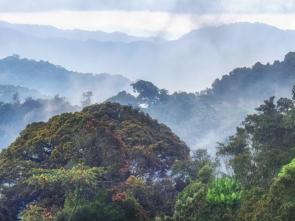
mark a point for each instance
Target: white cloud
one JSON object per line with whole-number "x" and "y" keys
{"x": 142, "y": 23}
{"x": 184, "y": 6}
{"x": 259, "y": 6}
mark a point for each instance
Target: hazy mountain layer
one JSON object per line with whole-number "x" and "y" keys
{"x": 15, "y": 116}
{"x": 203, "y": 119}
{"x": 51, "y": 80}
{"x": 33, "y": 99}
{"x": 46, "y": 32}
{"x": 10, "y": 93}
{"x": 190, "y": 63}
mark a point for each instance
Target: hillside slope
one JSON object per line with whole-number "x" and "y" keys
{"x": 51, "y": 80}
{"x": 16, "y": 115}
{"x": 205, "y": 118}
{"x": 118, "y": 138}
{"x": 10, "y": 92}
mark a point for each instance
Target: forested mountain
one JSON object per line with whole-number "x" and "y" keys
{"x": 112, "y": 162}
{"x": 53, "y": 80}
{"x": 260, "y": 160}
{"x": 205, "y": 118}
{"x": 201, "y": 119}
{"x": 256, "y": 83}
{"x": 116, "y": 163}
{"x": 202, "y": 55}
{"x": 121, "y": 156}
{"x": 14, "y": 116}
{"x": 10, "y": 93}
{"x": 190, "y": 119}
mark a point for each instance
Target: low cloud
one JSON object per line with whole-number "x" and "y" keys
{"x": 142, "y": 23}
{"x": 180, "y": 6}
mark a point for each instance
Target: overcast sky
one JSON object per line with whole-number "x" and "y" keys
{"x": 147, "y": 17}
{"x": 196, "y": 6}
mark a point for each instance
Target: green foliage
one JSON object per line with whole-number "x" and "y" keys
{"x": 197, "y": 202}
{"x": 264, "y": 144}
{"x": 78, "y": 175}
{"x": 288, "y": 171}
{"x": 257, "y": 154}
{"x": 250, "y": 202}
{"x": 158, "y": 196}
{"x": 62, "y": 161}
{"x": 77, "y": 183}
{"x": 200, "y": 167}
{"x": 100, "y": 209}
{"x": 206, "y": 173}
{"x": 33, "y": 213}
{"x": 224, "y": 191}
{"x": 191, "y": 203}
{"x": 54, "y": 171}
{"x": 279, "y": 202}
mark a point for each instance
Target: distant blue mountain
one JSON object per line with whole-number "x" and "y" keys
{"x": 53, "y": 80}
{"x": 205, "y": 118}
{"x": 8, "y": 93}
{"x": 189, "y": 63}
{"x": 45, "y": 32}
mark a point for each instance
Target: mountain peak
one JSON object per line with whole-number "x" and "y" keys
{"x": 105, "y": 135}
{"x": 290, "y": 58}
{"x": 230, "y": 29}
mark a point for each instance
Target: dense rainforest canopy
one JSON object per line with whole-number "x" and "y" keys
{"x": 114, "y": 162}
{"x": 205, "y": 118}
{"x": 107, "y": 150}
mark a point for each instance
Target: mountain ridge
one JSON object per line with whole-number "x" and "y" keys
{"x": 52, "y": 79}
{"x": 202, "y": 58}
{"x": 48, "y": 31}
{"x": 206, "y": 117}
{"x": 8, "y": 93}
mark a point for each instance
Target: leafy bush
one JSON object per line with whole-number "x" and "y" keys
{"x": 224, "y": 191}
{"x": 279, "y": 203}
{"x": 191, "y": 203}
{"x": 102, "y": 209}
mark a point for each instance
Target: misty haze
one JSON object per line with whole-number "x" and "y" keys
{"x": 145, "y": 110}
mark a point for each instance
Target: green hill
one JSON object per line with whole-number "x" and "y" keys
{"x": 127, "y": 143}
{"x": 204, "y": 118}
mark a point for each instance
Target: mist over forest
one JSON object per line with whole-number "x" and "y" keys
{"x": 202, "y": 119}
{"x": 203, "y": 55}
{"x": 99, "y": 124}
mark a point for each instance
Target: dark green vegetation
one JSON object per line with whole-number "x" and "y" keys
{"x": 203, "y": 119}
{"x": 261, "y": 159}
{"x": 112, "y": 162}
{"x": 108, "y": 162}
